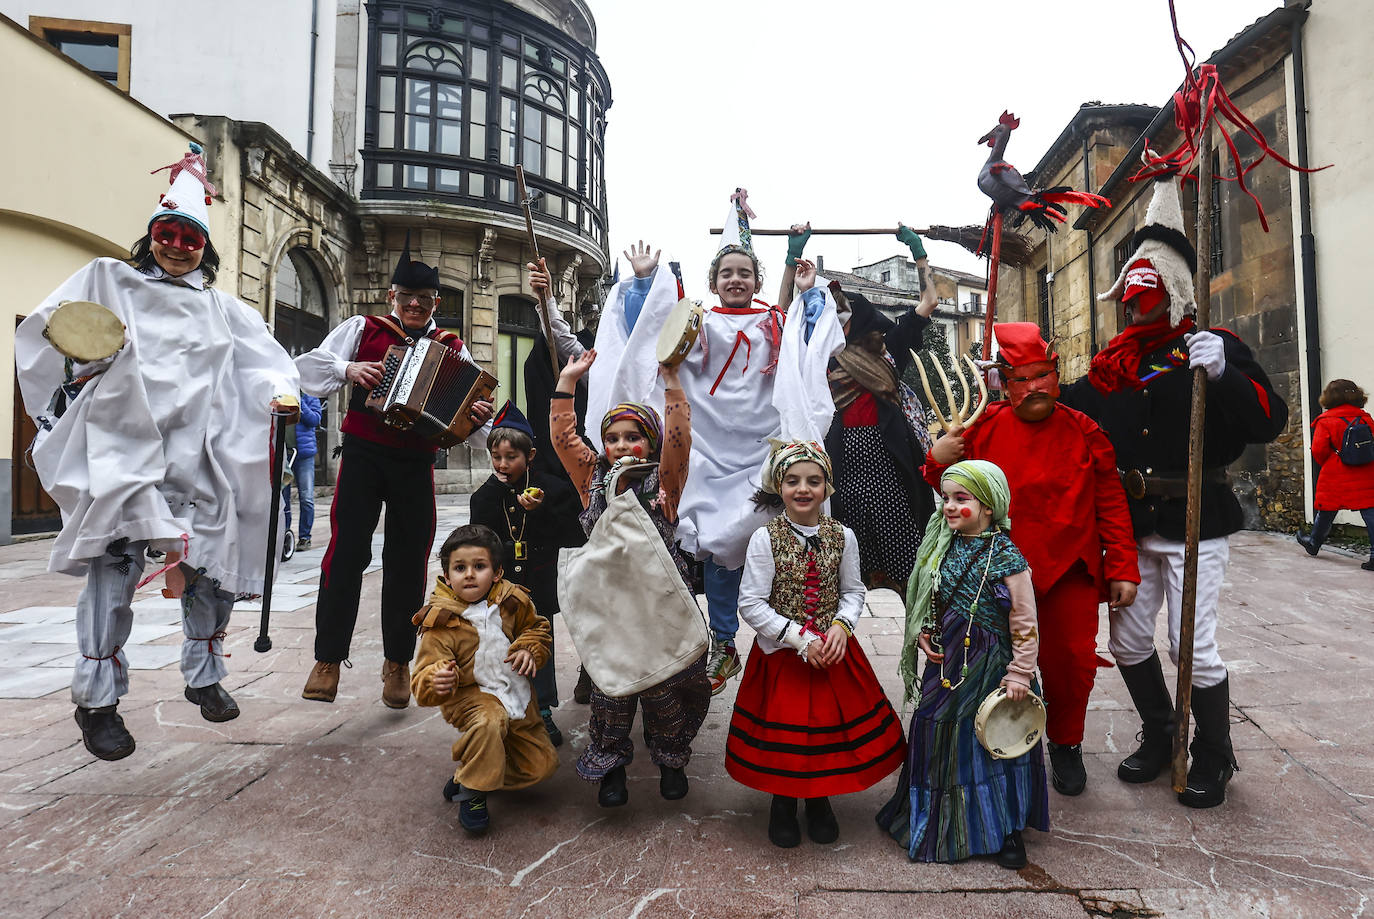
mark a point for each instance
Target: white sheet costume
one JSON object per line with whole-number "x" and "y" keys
{"x": 747, "y": 372}
{"x": 168, "y": 444}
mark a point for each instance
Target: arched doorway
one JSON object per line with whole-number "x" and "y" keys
{"x": 300, "y": 322}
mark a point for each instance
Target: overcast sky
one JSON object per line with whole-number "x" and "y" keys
{"x": 859, "y": 112}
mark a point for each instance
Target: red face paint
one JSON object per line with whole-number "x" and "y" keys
{"x": 1038, "y": 379}
{"x": 177, "y": 234}
{"x": 637, "y": 450}
{"x": 965, "y": 512}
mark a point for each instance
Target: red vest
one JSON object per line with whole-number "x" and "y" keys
{"x": 379, "y": 334}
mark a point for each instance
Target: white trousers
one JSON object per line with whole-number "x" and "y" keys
{"x": 1161, "y": 583}
{"x": 104, "y": 617}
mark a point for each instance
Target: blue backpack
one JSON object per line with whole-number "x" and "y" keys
{"x": 1357, "y": 446}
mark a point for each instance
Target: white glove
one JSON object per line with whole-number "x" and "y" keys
{"x": 1208, "y": 351}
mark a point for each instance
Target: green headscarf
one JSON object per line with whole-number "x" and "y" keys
{"x": 986, "y": 482}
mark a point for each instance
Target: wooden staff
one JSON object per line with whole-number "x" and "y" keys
{"x": 993, "y": 264}
{"x": 1193, "y": 526}
{"x": 525, "y": 200}
{"x": 1016, "y": 247}
{"x": 280, "y": 422}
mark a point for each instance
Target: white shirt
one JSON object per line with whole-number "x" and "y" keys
{"x": 324, "y": 369}
{"x": 489, "y": 668}
{"x": 774, "y": 629}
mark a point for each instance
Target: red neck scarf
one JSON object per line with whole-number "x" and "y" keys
{"x": 1117, "y": 366}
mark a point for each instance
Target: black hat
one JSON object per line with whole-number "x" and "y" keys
{"x": 511, "y": 417}
{"x": 414, "y": 275}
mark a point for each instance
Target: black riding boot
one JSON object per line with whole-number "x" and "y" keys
{"x": 1150, "y": 693}
{"x": 1214, "y": 762}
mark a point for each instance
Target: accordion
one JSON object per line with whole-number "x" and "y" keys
{"x": 428, "y": 389}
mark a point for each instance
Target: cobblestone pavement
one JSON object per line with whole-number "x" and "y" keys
{"x": 304, "y": 809}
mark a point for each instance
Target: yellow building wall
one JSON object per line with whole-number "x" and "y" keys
{"x": 76, "y": 161}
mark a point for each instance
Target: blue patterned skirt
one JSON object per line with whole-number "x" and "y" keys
{"x": 953, "y": 799}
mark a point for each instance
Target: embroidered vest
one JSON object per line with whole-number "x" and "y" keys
{"x": 380, "y": 333}
{"x": 806, "y": 583}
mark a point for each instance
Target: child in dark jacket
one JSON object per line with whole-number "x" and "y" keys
{"x": 534, "y": 514}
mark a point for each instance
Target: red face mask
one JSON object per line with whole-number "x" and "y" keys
{"x": 1020, "y": 383}
{"x": 178, "y": 235}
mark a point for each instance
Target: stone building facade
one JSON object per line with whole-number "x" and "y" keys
{"x": 1254, "y": 286}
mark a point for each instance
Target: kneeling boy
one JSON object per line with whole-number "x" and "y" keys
{"x": 480, "y": 642}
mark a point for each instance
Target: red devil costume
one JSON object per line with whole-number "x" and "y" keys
{"x": 1070, "y": 519}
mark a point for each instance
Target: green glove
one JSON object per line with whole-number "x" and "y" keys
{"x": 795, "y": 245}
{"x": 913, "y": 242}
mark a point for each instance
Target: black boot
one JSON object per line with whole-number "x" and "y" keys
{"x": 103, "y": 732}
{"x": 1067, "y": 774}
{"x": 1311, "y": 546}
{"x": 613, "y": 792}
{"x": 582, "y": 692}
{"x": 215, "y": 703}
{"x": 1150, "y": 693}
{"x": 1213, "y": 760}
{"x": 821, "y": 824}
{"x": 783, "y": 829}
{"x": 672, "y": 782}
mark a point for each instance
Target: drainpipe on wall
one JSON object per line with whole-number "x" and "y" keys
{"x": 1306, "y": 240}
{"x": 1092, "y": 281}
{"x": 310, "y": 105}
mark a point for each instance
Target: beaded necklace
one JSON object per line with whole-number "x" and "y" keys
{"x": 968, "y": 627}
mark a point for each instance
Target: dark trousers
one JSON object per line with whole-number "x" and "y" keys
{"x": 1322, "y": 521}
{"x": 371, "y": 476}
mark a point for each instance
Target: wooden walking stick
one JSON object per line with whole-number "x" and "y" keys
{"x": 1193, "y": 525}
{"x": 280, "y": 423}
{"x": 526, "y": 199}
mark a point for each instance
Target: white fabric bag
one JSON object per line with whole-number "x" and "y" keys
{"x": 632, "y": 619}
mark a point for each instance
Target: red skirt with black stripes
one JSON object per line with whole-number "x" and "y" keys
{"x": 807, "y": 733}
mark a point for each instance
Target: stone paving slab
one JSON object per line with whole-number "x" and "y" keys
{"x": 300, "y": 808}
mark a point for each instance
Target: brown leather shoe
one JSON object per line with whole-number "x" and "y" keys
{"x": 395, "y": 684}
{"x": 323, "y": 683}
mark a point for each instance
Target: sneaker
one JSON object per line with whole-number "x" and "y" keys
{"x": 1067, "y": 774}
{"x": 323, "y": 683}
{"x": 821, "y": 825}
{"x": 473, "y": 815}
{"x": 215, "y": 704}
{"x": 1013, "y": 854}
{"x": 303, "y": 543}
{"x": 103, "y": 732}
{"x": 555, "y": 735}
{"x": 1306, "y": 542}
{"x": 395, "y": 684}
{"x": 613, "y": 792}
{"x": 672, "y": 782}
{"x": 452, "y": 789}
{"x": 783, "y": 829}
{"x": 723, "y": 664}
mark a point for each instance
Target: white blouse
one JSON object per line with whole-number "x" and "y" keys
{"x": 774, "y": 629}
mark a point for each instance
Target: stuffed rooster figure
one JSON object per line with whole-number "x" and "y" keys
{"x": 1010, "y": 194}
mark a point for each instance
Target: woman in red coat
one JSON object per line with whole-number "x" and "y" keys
{"x": 1339, "y": 486}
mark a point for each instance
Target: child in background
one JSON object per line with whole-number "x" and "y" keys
{"x": 674, "y": 709}
{"x": 534, "y": 514}
{"x": 971, "y": 610}
{"x": 480, "y": 642}
{"x": 815, "y": 723}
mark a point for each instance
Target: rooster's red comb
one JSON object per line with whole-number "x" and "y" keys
{"x": 1010, "y": 120}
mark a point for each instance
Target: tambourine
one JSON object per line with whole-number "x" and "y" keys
{"x": 85, "y": 331}
{"x": 680, "y": 331}
{"x": 1008, "y": 729}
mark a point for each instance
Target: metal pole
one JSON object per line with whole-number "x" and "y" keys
{"x": 263, "y": 642}
{"x": 1203, "y": 285}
